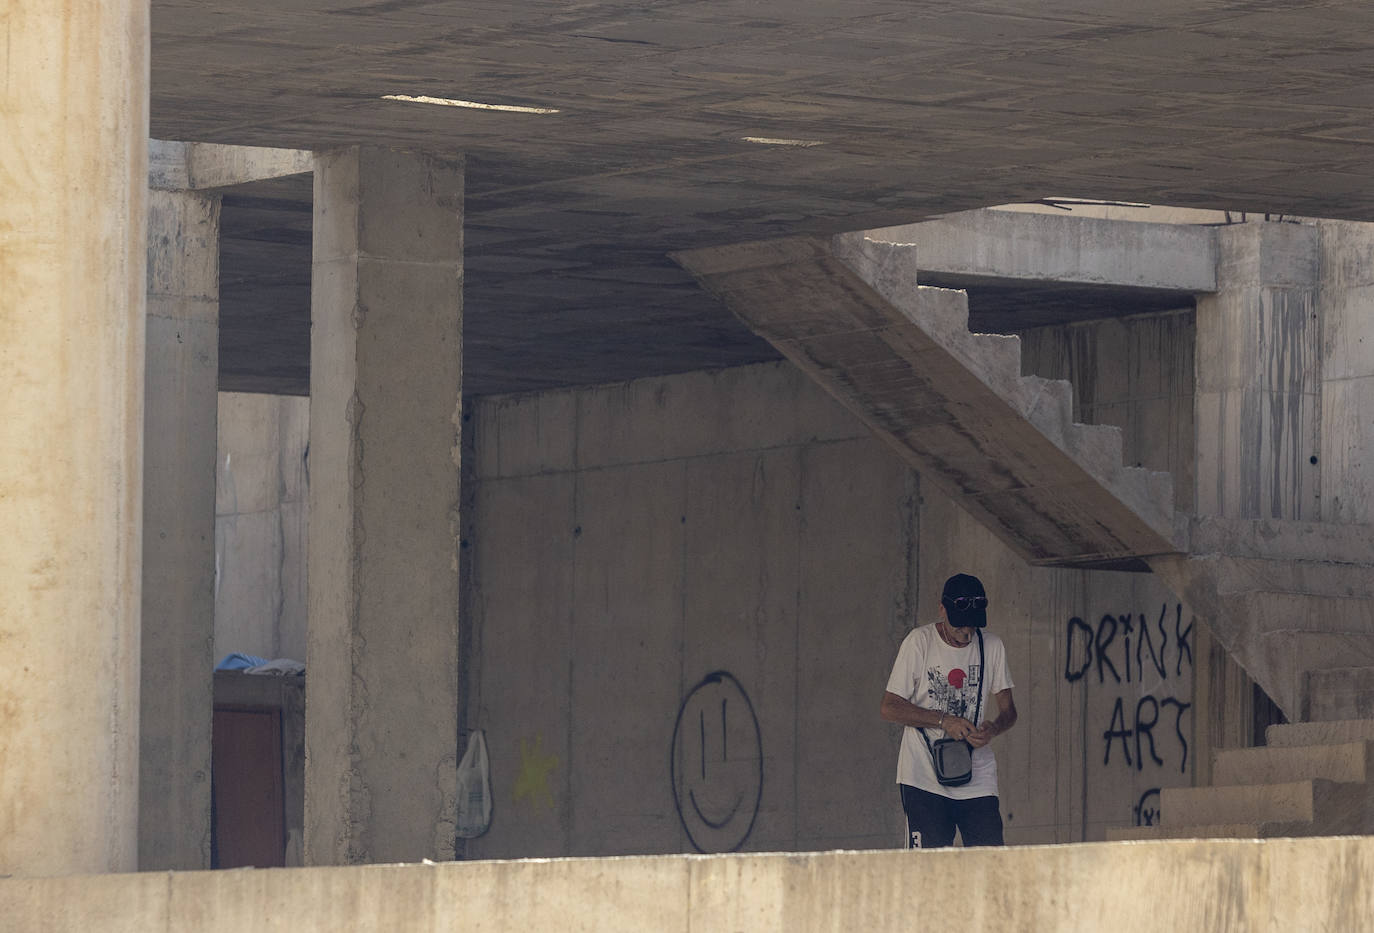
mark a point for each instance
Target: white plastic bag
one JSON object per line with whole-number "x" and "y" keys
{"x": 474, "y": 789}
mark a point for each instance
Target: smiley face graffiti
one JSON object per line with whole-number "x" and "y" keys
{"x": 716, "y": 764}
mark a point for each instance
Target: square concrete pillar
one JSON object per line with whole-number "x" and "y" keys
{"x": 385, "y": 417}
{"x": 73, "y": 183}
{"x": 179, "y": 530}
{"x": 1258, "y": 361}
{"x": 1347, "y": 331}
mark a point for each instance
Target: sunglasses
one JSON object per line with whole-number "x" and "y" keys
{"x": 965, "y": 603}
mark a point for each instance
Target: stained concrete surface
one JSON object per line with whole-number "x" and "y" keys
{"x": 919, "y": 109}
{"x": 73, "y": 263}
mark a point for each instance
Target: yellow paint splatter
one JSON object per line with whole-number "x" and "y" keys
{"x": 535, "y": 766}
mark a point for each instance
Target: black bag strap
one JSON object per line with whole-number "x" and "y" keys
{"x": 978, "y": 705}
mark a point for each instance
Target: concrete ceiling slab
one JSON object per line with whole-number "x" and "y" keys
{"x": 919, "y": 108}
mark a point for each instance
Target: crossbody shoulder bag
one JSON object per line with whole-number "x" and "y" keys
{"x": 953, "y": 758}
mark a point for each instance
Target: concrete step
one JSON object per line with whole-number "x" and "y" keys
{"x": 1312, "y": 807}
{"x": 1293, "y": 801}
{"x": 1212, "y": 831}
{"x": 1096, "y": 446}
{"x": 1148, "y": 492}
{"x": 1289, "y": 655}
{"x": 1339, "y": 694}
{"x": 994, "y": 358}
{"x": 1336, "y": 732}
{"x": 1348, "y": 762}
{"x": 1047, "y": 404}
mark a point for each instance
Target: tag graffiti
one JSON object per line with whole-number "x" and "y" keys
{"x": 1097, "y": 646}
{"x": 1146, "y": 812}
{"x": 1128, "y": 649}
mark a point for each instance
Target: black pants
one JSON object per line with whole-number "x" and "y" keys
{"x": 931, "y": 819}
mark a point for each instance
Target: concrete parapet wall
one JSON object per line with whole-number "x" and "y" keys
{"x": 1237, "y": 885}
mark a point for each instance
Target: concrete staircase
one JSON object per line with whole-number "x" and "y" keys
{"x": 954, "y": 404}
{"x": 1300, "y": 622}
{"x": 1312, "y": 779}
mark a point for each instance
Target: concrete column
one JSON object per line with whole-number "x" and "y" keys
{"x": 1347, "y": 368}
{"x": 73, "y": 176}
{"x": 179, "y": 530}
{"x": 1258, "y": 359}
{"x": 385, "y": 417}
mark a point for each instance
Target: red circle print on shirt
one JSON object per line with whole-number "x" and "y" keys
{"x": 956, "y": 678}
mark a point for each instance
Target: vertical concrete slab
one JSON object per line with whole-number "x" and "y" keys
{"x": 72, "y": 260}
{"x": 386, "y": 348}
{"x": 180, "y": 418}
{"x": 736, "y": 783}
{"x": 619, "y": 565}
{"x": 260, "y": 525}
{"x": 523, "y": 659}
{"x": 627, "y": 635}
{"x": 1258, "y": 376}
{"x": 856, "y": 600}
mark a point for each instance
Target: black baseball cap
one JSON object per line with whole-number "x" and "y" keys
{"x": 965, "y": 601}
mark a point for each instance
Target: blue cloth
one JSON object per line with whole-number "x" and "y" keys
{"x": 239, "y": 662}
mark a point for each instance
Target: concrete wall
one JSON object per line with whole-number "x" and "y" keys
{"x": 1127, "y": 651}
{"x": 260, "y": 525}
{"x": 1258, "y": 886}
{"x": 630, "y": 540}
{"x": 1133, "y": 372}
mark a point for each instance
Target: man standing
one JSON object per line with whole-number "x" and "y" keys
{"x": 938, "y": 686}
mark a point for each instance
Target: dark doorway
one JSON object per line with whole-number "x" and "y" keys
{"x": 249, "y": 815}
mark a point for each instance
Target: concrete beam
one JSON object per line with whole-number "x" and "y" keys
{"x": 1011, "y": 245}
{"x": 182, "y": 166}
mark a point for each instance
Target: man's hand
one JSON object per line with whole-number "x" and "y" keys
{"x": 957, "y": 727}
{"x": 1006, "y": 718}
{"x": 982, "y": 735}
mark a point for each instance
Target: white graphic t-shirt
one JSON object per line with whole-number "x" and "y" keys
{"x": 931, "y": 674}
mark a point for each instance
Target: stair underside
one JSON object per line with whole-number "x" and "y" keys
{"x": 953, "y": 404}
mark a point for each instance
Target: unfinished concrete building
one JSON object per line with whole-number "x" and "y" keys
{"x": 569, "y": 373}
